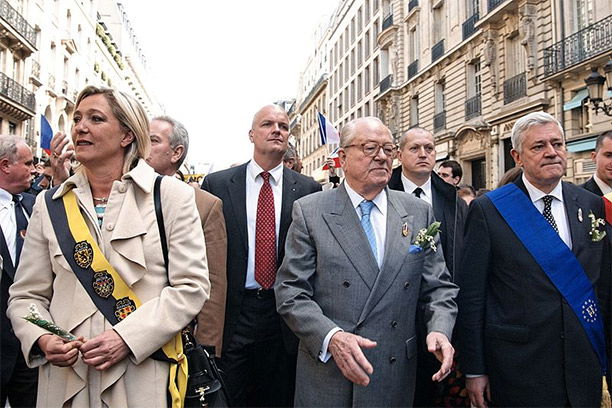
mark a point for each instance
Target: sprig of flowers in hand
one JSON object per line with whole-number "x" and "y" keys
{"x": 595, "y": 233}
{"x": 34, "y": 317}
{"x": 425, "y": 239}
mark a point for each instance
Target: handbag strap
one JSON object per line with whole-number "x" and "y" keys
{"x": 160, "y": 219}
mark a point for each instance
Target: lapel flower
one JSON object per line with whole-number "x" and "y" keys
{"x": 34, "y": 317}
{"x": 595, "y": 233}
{"x": 425, "y": 239}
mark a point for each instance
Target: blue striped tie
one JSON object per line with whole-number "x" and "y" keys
{"x": 366, "y": 209}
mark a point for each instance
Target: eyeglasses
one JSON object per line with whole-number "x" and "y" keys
{"x": 371, "y": 149}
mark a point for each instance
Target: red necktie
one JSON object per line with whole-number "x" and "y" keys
{"x": 265, "y": 235}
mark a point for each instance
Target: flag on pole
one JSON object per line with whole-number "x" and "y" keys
{"x": 334, "y": 156}
{"x": 328, "y": 132}
{"x": 608, "y": 204}
{"x": 46, "y": 133}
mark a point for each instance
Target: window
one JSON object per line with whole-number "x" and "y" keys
{"x": 375, "y": 74}
{"x": 471, "y": 7}
{"x": 515, "y": 57}
{"x": 439, "y": 24}
{"x": 367, "y": 11}
{"x": 359, "y": 88}
{"x": 366, "y": 109}
{"x": 473, "y": 79}
{"x": 359, "y": 53}
{"x": 359, "y": 20}
{"x": 366, "y": 80}
{"x": 413, "y": 45}
{"x": 583, "y": 14}
{"x": 12, "y": 128}
{"x": 414, "y": 111}
{"x": 366, "y": 44}
{"x": 439, "y": 97}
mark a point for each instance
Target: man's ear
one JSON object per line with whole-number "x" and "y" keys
{"x": 177, "y": 153}
{"x": 251, "y": 135}
{"x": 5, "y": 165}
{"x": 342, "y": 156}
{"x": 128, "y": 138}
{"x": 517, "y": 157}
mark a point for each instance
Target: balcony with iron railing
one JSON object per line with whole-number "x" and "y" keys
{"x": 439, "y": 121}
{"x": 413, "y": 68}
{"x": 437, "y": 51}
{"x": 492, "y": 4}
{"x": 469, "y": 25}
{"x": 385, "y": 84}
{"x": 10, "y": 89}
{"x": 387, "y": 22}
{"x": 587, "y": 43}
{"x": 515, "y": 88}
{"x": 18, "y": 23}
{"x": 412, "y": 4}
{"x": 473, "y": 107}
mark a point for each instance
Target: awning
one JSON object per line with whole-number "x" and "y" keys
{"x": 582, "y": 145}
{"x": 576, "y": 101}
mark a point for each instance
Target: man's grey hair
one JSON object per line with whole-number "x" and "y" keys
{"x": 526, "y": 122}
{"x": 291, "y": 153}
{"x": 8, "y": 147}
{"x": 179, "y": 136}
{"x": 348, "y": 131}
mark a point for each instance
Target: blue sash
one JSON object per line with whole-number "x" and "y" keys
{"x": 555, "y": 259}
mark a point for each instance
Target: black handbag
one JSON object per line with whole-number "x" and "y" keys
{"x": 205, "y": 386}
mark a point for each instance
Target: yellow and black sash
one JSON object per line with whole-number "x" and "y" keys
{"x": 108, "y": 291}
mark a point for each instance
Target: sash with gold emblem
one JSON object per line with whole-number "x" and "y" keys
{"x": 108, "y": 291}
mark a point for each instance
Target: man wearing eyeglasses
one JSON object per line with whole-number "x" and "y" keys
{"x": 350, "y": 283}
{"x": 417, "y": 155}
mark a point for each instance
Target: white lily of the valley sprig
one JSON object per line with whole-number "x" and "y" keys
{"x": 595, "y": 233}
{"x": 425, "y": 239}
{"x": 34, "y": 317}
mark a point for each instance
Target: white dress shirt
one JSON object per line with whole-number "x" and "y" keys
{"x": 254, "y": 181}
{"x": 557, "y": 208}
{"x": 603, "y": 186}
{"x": 426, "y": 195}
{"x": 378, "y": 219}
{"x": 8, "y": 222}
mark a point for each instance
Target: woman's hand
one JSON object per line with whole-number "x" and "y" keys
{"x": 58, "y": 352}
{"x": 104, "y": 350}
{"x": 60, "y": 158}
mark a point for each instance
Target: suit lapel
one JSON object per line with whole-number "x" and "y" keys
{"x": 7, "y": 261}
{"x": 289, "y": 195}
{"x": 396, "y": 251}
{"x": 237, "y": 198}
{"x": 343, "y": 223}
{"x": 578, "y": 233}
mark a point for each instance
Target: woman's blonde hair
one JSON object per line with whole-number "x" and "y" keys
{"x": 132, "y": 117}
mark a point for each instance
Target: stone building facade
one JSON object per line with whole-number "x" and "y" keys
{"x": 72, "y": 44}
{"x": 467, "y": 69}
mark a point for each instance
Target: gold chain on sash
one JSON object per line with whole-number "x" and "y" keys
{"x": 127, "y": 301}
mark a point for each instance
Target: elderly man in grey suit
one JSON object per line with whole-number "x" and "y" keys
{"x": 351, "y": 280}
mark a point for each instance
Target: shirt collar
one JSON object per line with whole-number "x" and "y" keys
{"x": 380, "y": 201}
{"x": 536, "y": 194}
{"x": 5, "y": 198}
{"x": 603, "y": 186}
{"x": 409, "y": 186}
{"x": 254, "y": 170}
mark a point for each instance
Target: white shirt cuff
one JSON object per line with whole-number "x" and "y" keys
{"x": 324, "y": 354}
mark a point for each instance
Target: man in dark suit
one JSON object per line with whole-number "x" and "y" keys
{"x": 16, "y": 171}
{"x": 601, "y": 182}
{"x": 417, "y": 154}
{"x": 259, "y": 352}
{"x": 520, "y": 328}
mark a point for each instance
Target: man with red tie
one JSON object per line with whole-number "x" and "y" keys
{"x": 259, "y": 352}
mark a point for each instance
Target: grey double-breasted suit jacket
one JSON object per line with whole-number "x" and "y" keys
{"x": 329, "y": 278}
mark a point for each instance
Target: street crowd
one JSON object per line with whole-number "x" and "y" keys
{"x": 386, "y": 287}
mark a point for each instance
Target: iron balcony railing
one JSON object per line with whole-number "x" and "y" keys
{"x": 586, "y": 43}
{"x": 17, "y": 93}
{"x": 515, "y": 88}
{"x": 387, "y": 22}
{"x": 16, "y": 20}
{"x": 473, "y": 107}
{"x": 413, "y": 68}
{"x": 469, "y": 25}
{"x": 412, "y": 4}
{"x": 385, "y": 83}
{"x": 437, "y": 51}
{"x": 493, "y": 4}
{"x": 439, "y": 121}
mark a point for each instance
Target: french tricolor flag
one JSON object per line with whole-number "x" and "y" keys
{"x": 328, "y": 132}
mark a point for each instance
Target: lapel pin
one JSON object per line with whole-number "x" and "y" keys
{"x": 580, "y": 214}
{"x": 405, "y": 230}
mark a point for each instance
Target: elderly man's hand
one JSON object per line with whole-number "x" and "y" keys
{"x": 104, "y": 350}
{"x": 346, "y": 350}
{"x": 478, "y": 389}
{"x": 57, "y": 351}
{"x": 60, "y": 160}
{"x": 438, "y": 344}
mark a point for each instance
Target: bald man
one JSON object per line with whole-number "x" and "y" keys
{"x": 259, "y": 352}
